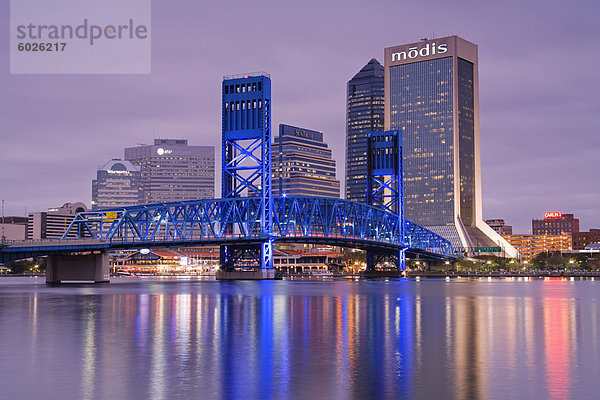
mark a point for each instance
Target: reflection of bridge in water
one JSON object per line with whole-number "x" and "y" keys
{"x": 248, "y": 220}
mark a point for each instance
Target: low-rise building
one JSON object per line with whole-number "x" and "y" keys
{"x": 582, "y": 239}
{"x": 13, "y": 228}
{"x": 318, "y": 260}
{"x": 499, "y": 226}
{"x": 52, "y": 224}
{"x": 531, "y": 245}
{"x": 555, "y": 223}
{"x": 182, "y": 260}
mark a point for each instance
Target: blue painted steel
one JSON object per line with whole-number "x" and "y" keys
{"x": 385, "y": 187}
{"x": 425, "y": 240}
{"x": 385, "y": 171}
{"x": 237, "y": 222}
{"x": 246, "y": 155}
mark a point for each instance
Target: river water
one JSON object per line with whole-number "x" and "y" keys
{"x": 177, "y": 338}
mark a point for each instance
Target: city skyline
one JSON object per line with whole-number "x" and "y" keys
{"x": 528, "y": 101}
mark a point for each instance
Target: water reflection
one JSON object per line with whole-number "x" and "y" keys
{"x": 343, "y": 339}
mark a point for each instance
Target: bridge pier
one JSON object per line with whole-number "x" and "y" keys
{"x": 395, "y": 257}
{"x": 89, "y": 267}
{"x": 259, "y": 274}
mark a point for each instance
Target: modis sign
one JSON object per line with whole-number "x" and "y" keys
{"x": 429, "y": 49}
{"x": 552, "y": 215}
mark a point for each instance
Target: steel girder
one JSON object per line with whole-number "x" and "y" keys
{"x": 421, "y": 238}
{"x": 385, "y": 188}
{"x": 246, "y": 153}
{"x": 238, "y": 221}
{"x": 306, "y": 217}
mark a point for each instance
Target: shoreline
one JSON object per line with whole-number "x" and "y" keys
{"x": 389, "y": 274}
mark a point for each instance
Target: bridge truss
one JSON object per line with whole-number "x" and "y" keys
{"x": 238, "y": 221}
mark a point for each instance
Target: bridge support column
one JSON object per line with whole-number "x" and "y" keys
{"x": 259, "y": 274}
{"x": 396, "y": 258}
{"x": 259, "y": 257}
{"x": 89, "y": 267}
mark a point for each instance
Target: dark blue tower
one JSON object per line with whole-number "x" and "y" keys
{"x": 246, "y": 160}
{"x": 385, "y": 187}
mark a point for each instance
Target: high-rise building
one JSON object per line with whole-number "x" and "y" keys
{"x": 432, "y": 96}
{"x": 302, "y": 164}
{"x": 52, "y": 224}
{"x": 118, "y": 183}
{"x": 174, "y": 171}
{"x": 555, "y": 223}
{"x": 364, "y": 114}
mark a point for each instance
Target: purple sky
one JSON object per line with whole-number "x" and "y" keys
{"x": 539, "y": 85}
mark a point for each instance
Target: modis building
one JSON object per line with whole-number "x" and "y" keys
{"x": 432, "y": 95}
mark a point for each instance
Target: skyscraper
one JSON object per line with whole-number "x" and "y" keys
{"x": 364, "y": 115}
{"x": 173, "y": 171}
{"x": 302, "y": 164}
{"x": 432, "y": 95}
{"x": 118, "y": 183}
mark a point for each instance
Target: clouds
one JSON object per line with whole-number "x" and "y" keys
{"x": 538, "y": 90}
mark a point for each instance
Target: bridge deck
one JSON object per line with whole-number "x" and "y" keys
{"x": 237, "y": 221}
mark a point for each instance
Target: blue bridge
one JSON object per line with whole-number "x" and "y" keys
{"x": 247, "y": 221}
{"x": 236, "y": 221}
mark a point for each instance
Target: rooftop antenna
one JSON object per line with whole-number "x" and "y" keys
{"x": 3, "y": 237}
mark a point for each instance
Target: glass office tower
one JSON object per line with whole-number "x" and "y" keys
{"x": 364, "y": 115}
{"x": 431, "y": 95}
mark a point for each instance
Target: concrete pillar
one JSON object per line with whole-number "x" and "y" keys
{"x": 259, "y": 274}
{"x": 90, "y": 267}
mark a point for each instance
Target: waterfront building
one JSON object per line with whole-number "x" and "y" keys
{"x": 317, "y": 261}
{"x": 53, "y": 223}
{"x": 555, "y": 223}
{"x": 172, "y": 170}
{"x": 499, "y": 226}
{"x": 531, "y": 245}
{"x": 581, "y": 240}
{"x": 364, "y": 114}
{"x": 118, "y": 183}
{"x": 191, "y": 261}
{"x": 432, "y": 96}
{"x": 13, "y": 228}
{"x": 302, "y": 164}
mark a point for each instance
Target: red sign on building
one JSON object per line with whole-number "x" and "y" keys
{"x": 552, "y": 215}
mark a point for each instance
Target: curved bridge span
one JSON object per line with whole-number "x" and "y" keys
{"x": 295, "y": 219}
{"x": 238, "y": 221}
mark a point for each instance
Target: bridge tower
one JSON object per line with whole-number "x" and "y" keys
{"x": 246, "y": 162}
{"x": 385, "y": 187}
